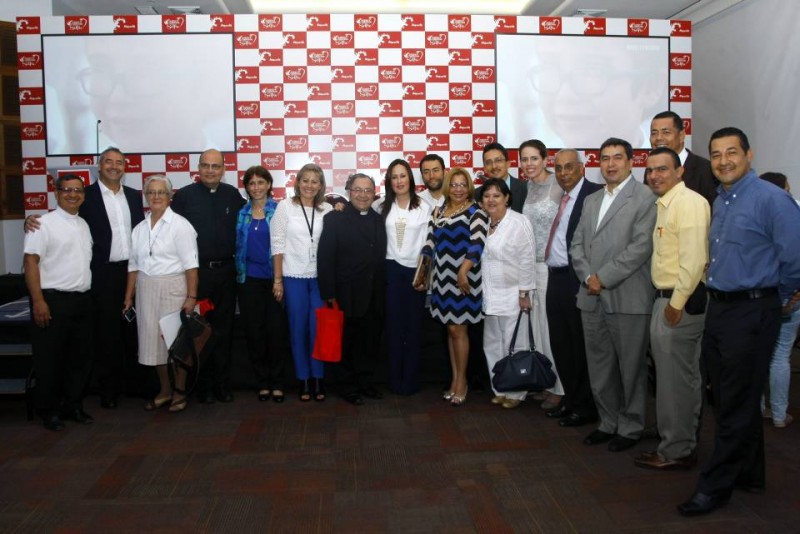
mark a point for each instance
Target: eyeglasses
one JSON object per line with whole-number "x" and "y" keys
{"x": 360, "y": 190}
{"x": 495, "y": 161}
{"x": 76, "y": 190}
{"x": 212, "y": 166}
{"x": 458, "y": 185}
{"x": 102, "y": 81}
{"x": 589, "y": 80}
{"x": 157, "y": 193}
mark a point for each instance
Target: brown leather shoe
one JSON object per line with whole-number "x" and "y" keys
{"x": 653, "y": 460}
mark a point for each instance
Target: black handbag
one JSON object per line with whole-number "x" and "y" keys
{"x": 185, "y": 351}
{"x": 524, "y": 370}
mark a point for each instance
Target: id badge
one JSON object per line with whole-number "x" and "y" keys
{"x": 312, "y": 253}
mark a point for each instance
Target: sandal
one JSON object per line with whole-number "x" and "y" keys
{"x": 178, "y": 406}
{"x": 304, "y": 394}
{"x": 319, "y": 390}
{"x": 158, "y": 402}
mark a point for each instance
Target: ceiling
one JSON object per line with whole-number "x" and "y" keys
{"x": 657, "y": 9}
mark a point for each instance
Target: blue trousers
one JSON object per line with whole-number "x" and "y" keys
{"x": 404, "y": 312}
{"x": 302, "y": 299}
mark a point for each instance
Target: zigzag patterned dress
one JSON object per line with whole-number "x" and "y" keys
{"x": 450, "y": 241}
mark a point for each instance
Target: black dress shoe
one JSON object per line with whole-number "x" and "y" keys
{"x": 558, "y": 412}
{"x": 371, "y": 393}
{"x": 264, "y": 395}
{"x": 205, "y": 397}
{"x": 79, "y": 416}
{"x": 109, "y": 403}
{"x": 53, "y": 423}
{"x": 597, "y": 437}
{"x": 700, "y": 504}
{"x": 619, "y": 444}
{"x": 223, "y": 395}
{"x": 574, "y": 419}
{"x": 353, "y": 398}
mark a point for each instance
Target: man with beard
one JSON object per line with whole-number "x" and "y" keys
{"x": 432, "y": 170}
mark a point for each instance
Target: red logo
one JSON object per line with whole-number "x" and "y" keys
{"x": 367, "y": 125}
{"x": 34, "y": 166}
{"x": 343, "y": 108}
{"x": 83, "y": 174}
{"x": 483, "y": 108}
{"x": 414, "y": 91}
{"x": 460, "y": 125}
{"x": 342, "y": 40}
{"x": 272, "y": 161}
{"x": 389, "y": 74}
{"x": 79, "y": 161}
{"x": 245, "y": 75}
{"x": 438, "y": 142}
{"x": 368, "y": 160}
{"x": 296, "y": 143}
{"x": 413, "y": 158}
{"x": 638, "y": 27}
{"x": 681, "y": 28}
{"x": 35, "y": 201}
{"x": 640, "y": 158}
{"x": 319, "y": 91}
{"x": 126, "y": 24}
{"x": 461, "y": 57}
{"x": 459, "y": 23}
{"x": 76, "y": 24}
{"x": 230, "y": 161}
{"x": 345, "y": 74}
{"x": 483, "y": 74}
{"x": 391, "y": 142}
{"x": 251, "y": 143}
{"x": 319, "y": 57}
{"x": 221, "y": 23}
{"x": 32, "y": 131}
{"x": 270, "y": 57}
{"x": 390, "y": 108}
{"x": 505, "y": 24}
{"x": 295, "y": 75}
{"x": 414, "y": 125}
{"x": 413, "y": 22}
{"x": 483, "y": 40}
{"x": 436, "y": 108}
{"x": 28, "y": 25}
{"x": 319, "y": 127}
{"x": 480, "y": 141}
{"x": 340, "y": 176}
{"x": 272, "y": 126}
{"x": 680, "y": 61}
{"x": 594, "y": 26}
{"x": 592, "y": 158}
{"x": 295, "y": 109}
{"x": 438, "y": 73}
{"x": 133, "y": 163}
{"x": 680, "y": 93}
{"x": 173, "y": 23}
{"x": 366, "y": 22}
{"x": 413, "y": 56}
{"x": 368, "y": 56}
{"x": 177, "y": 162}
{"x": 343, "y": 143}
{"x": 245, "y": 40}
{"x": 460, "y": 91}
{"x": 271, "y": 91}
{"x": 687, "y": 126}
{"x": 268, "y": 23}
{"x": 366, "y": 91}
{"x": 551, "y": 158}
{"x": 294, "y": 39}
{"x": 318, "y": 23}
{"x": 247, "y": 110}
{"x": 29, "y": 60}
{"x": 436, "y": 39}
{"x": 550, "y": 25}
{"x": 389, "y": 40}
{"x": 460, "y": 159}
{"x": 29, "y": 96}
{"x": 323, "y": 159}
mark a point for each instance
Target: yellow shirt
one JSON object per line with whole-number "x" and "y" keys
{"x": 680, "y": 243}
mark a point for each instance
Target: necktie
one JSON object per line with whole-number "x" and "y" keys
{"x": 561, "y": 207}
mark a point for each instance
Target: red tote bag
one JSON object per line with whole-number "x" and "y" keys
{"x": 328, "y": 343}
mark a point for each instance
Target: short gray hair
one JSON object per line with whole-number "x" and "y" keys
{"x": 158, "y": 178}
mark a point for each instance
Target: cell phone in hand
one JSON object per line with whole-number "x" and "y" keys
{"x": 130, "y": 314}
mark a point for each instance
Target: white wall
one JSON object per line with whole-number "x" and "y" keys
{"x": 745, "y": 74}
{"x": 11, "y": 231}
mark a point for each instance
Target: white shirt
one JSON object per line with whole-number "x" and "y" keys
{"x": 170, "y": 247}
{"x": 608, "y": 199}
{"x": 406, "y": 232}
{"x": 433, "y": 202}
{"x": 559, "y": 253}
{"x": 63, "y": 243}
{"x": 508, "y": 264}
{"x": 289, "y": 235}
{"x": 119, "y": 217}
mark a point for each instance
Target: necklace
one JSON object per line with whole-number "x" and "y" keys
{"x": 493, "y": 225}
{"x": 450, "y": 211}
{"x": 257, "y": 210}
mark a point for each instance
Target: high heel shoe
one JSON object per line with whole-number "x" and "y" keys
{"x": 178, "y": 405}
{"x": 158, "y": 402}
{"x": 305, "y": 393}
{"x": 448, "y": 395}
{"x": 459, "y": 400}
{"x": 319, "y": 390}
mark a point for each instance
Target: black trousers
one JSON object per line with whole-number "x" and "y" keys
{"x": 566, "y": 341}
{"x": 360, "y": 349}
{"x": 266, "y": 330}
{"x": 62, "y": 352}
{"x": 218, "y": 285}
{"x": 405, "y": 307}
{"x": 736, "y": 349}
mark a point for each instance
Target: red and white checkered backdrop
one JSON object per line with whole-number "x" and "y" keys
{"x": 430, "y": 88}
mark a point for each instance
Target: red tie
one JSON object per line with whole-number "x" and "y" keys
{"x": 561, "y": 206}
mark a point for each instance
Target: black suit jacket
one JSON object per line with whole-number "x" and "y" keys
{"x": 698, "y": 177}
{"x": 351, "y": 261}
{"x": 587, "y": 189}
{"x": 519, "y": 191}
{"x": 93, "y": 211}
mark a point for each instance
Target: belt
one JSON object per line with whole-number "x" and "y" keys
{"x": 557, "y": 270}
{"x": 216, "y": 264}
{"x": 64, "y": 293}
{"x": 747, "y": 294}
{"x": 122, "y": 263}
{"x": 664, "y": 293}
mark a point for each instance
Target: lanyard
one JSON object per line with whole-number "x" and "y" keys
{"x": 310, "y": 226}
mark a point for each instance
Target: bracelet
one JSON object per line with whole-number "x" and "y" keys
{"x": 276, "y": 281}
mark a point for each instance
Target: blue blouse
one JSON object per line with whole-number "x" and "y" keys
{"x": 256, "y": 257}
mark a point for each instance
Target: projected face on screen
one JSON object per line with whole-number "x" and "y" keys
{"x": 150, "y": 93}
{"x": 576, "y": 91}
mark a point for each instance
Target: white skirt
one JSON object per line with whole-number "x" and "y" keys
{"x": 156, "y": 296}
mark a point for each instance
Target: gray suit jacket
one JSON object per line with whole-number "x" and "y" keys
{"x": 618, "y": 251}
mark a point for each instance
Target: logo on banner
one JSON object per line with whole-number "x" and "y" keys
{"x": 680, "y": 61}
{"x": 366, "y": 22}
{"x": 294, "y": 39}
{"x": 592, "y": 158}
{"x": 173, "y": 23}
{"x": 318, "y": 23}
{"x": 221, "y": 23}
{"x": 459, "y": 23}
{"x": 268, "y": 23}
{"x": 390, "y": 108}
{"x": 505, "y": 24}
{"x": 30, "y": 96}
{"x": 340, "y": 176}
{"x": 342, "y": 40}
{"x": 34, "y": 166}
{"x": 414, "y": 56}
{"x": 460, "y": 125}
{"x": 438, "y": 142}
{"x": 35, "y": 201}
{"x": 245, "y": 40}
{"x": 460, "y": 159}
{"x": 640, "y": 158}
{"x": 687, "y": 126}
{"x": 343, "y": 74}
{"x": 460, "y": 91}
{"x": 483, "y": 108}
{"x": 296, "y": 143}
{"x": 436, "y": 39}
{"x": 29, "y": 60}
{"x": 594, "y": 26}
{"x": 480, "y": 141}
{"x": 245, "y": 75}
{"x": 272, "y": 127}
{"x": 680, "y": 93}
{"x": 319, "y": 91}
{"x": 483, "y": 74}
{"x": 367, "y": 125}
{"x": 295, "y": 109}
{"x": 84, "y": 174}
{"x": 483, "y": 40}
{"x": 271, "y": 91}
{"x": 391, "y": 142}
{"x": 78, "y": 161}
{"x": 414, "y": 125}
{"x": 323, "y": 159}
{"x": 247, "y": 110}
{"x": 270, "y": 57}
{"x": 32, "y": 131}
{"x": 29, "y": 25}
{"x": 295, "y": 75}
{"x": 133, "y": 163}
{"x": 366, "y": 91}
{"x": 414, "y": 91}
{"x": 460, "y": 57}
{"x": 250, "y": 143}
{"x": 413, "y": 158}
{"x": 272, "y": 161}
{"x": 343, "y": 143}
{"x": 436, "y": 108}
{"x": 319, "y": 57}
{"x": 126, "y": 24}
{"x": 366, "y": 56}
{"x": 389, "y": 40}
{"x": 437, "y": 73}
{"x": 638, "y": 27}
{"x": 550, "y": 25}
{"x": 368, "y": 160}
{"x": 76, "y": 24}
{"x": 177, "y": 162}
{"x": 343, "y": 108}
{"x": 319, "y": 127}
{"x": 389, "y": 74}
{"x": 681, "y": 28}
{"x": 413, "y": 22}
